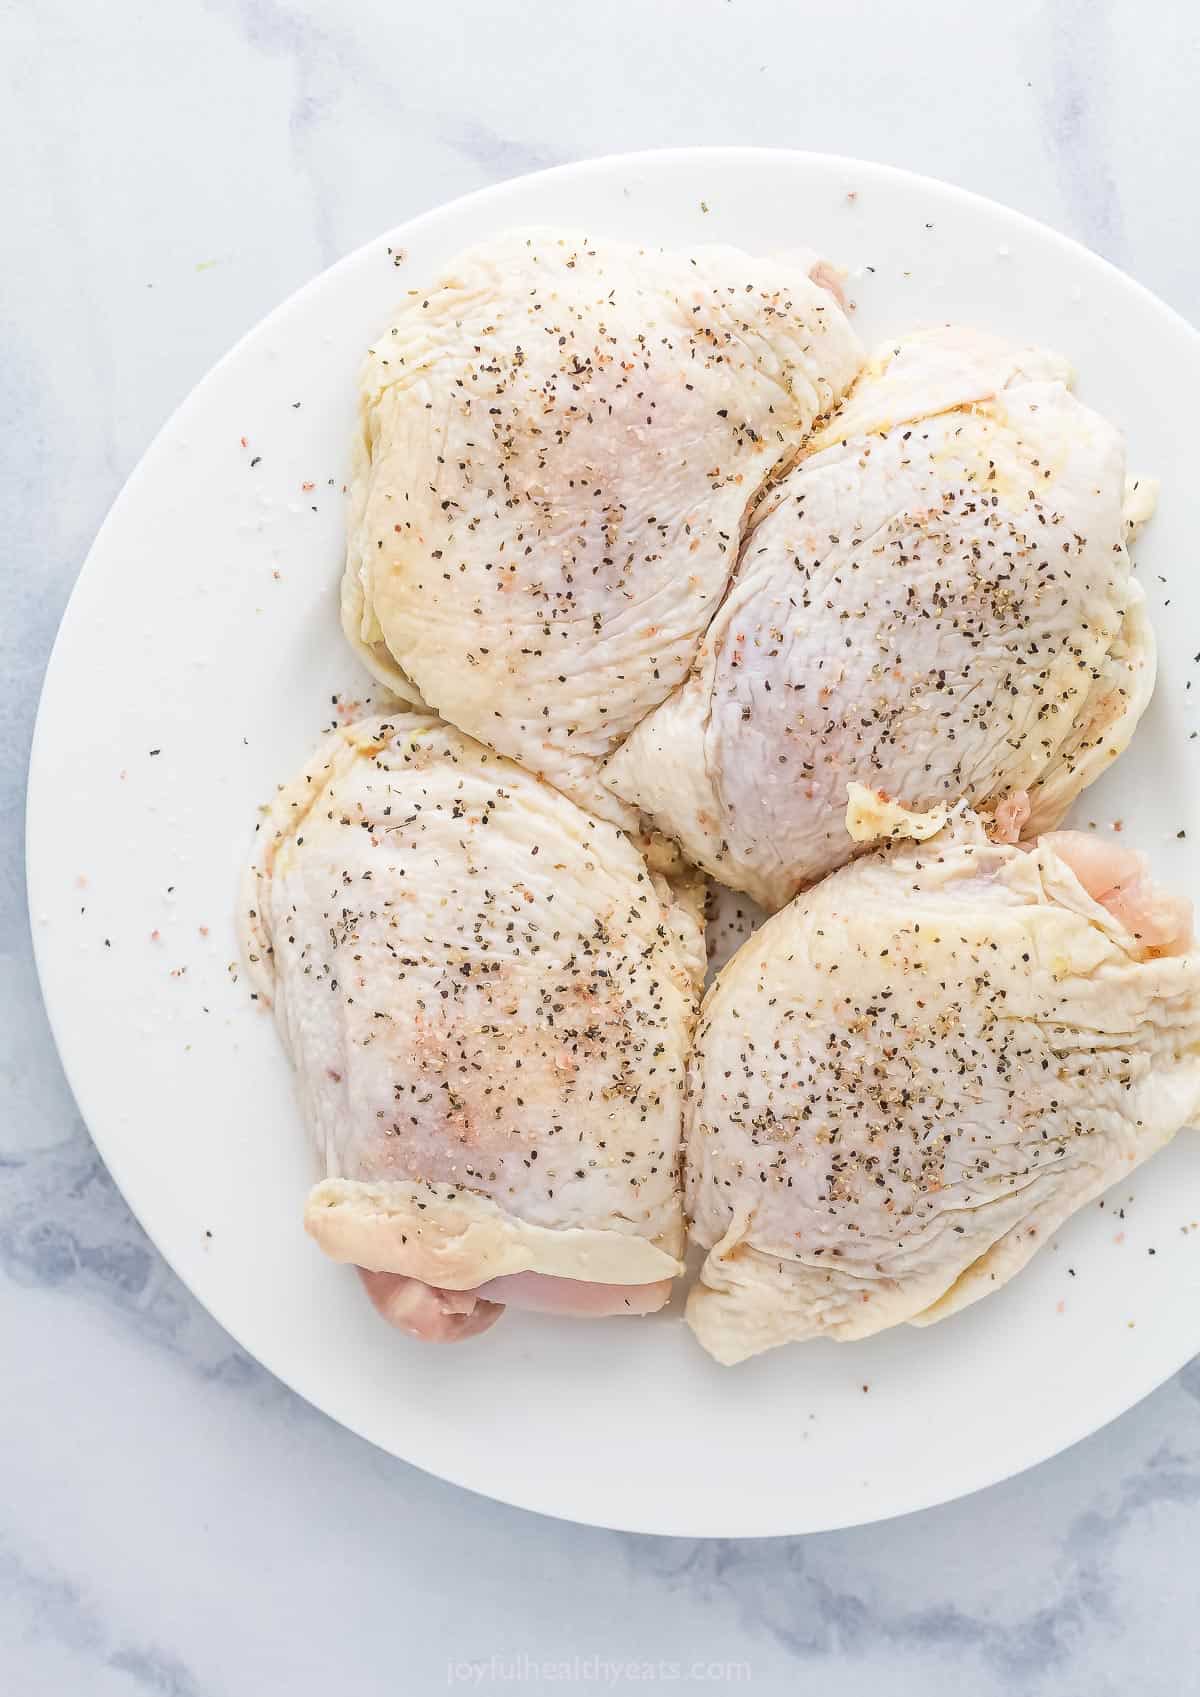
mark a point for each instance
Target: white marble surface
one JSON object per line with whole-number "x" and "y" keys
{"x": 171, "y": 1520}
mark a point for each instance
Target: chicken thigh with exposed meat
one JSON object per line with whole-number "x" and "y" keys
{"x": 488, "y": 998}
{"x": 914, "y": 1073}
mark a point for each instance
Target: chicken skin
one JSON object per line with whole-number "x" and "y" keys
{"x": 907, "y": 1080}
{"x": 488, "y": 999}
{"x": 560, "y": 442}
{"x": 935, "y": 604}
{"x": 668, "y": 582}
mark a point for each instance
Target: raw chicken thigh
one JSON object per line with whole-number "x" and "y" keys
{"x": 913, "y": 1074}
{"x": 488, "y": 998}
{"x": 934, "y": 605}
{"x": 559, "y": 445}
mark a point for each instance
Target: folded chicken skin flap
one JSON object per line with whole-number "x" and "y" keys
{"x": 935, "y": 604}
{"x": 560, "y": 442}
{"x": 488, "y": 998}
{"x": 915, "y": 1072}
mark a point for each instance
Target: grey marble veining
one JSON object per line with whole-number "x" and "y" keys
{"x": 172, "y": 1520}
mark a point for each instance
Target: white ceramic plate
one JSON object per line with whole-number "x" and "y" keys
{"x": 194, "y": 669}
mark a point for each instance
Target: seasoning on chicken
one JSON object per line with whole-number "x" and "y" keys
{"x": 935, "y": 605}
{"x": 488, "y": 998}
{"x": 907, "y": 1080}
{"x": 560, "y": 441}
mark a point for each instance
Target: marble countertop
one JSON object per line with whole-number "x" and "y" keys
{"x": 173, "y": 1521}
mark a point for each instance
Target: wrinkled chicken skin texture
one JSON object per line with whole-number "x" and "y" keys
{"x": 914, "y": 1073}
{"x": 488, "y": 998}
{"x": 559, "y": 443}
{"x": 935, "y": 603}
